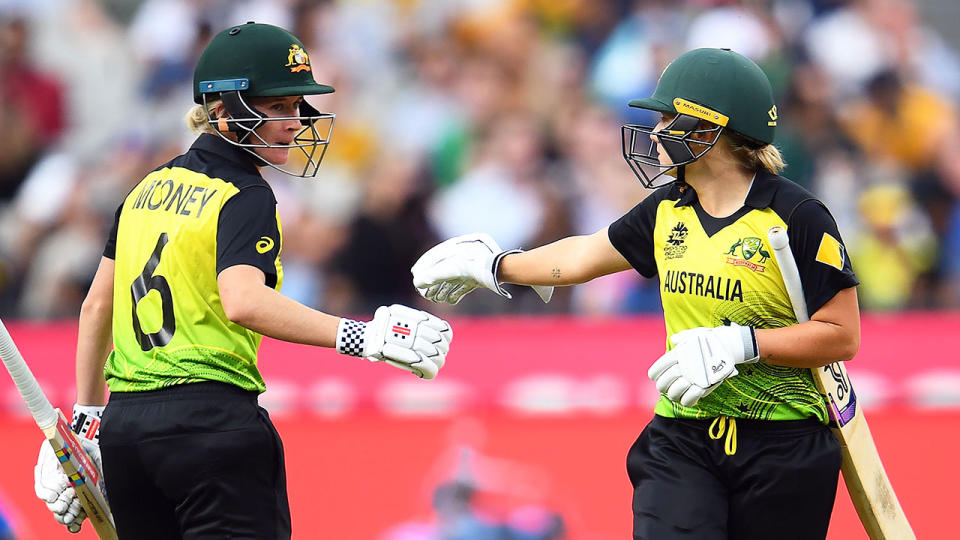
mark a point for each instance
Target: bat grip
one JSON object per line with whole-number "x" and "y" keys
{"x": 780, "y": 243}
{"x": 41, "y": 409}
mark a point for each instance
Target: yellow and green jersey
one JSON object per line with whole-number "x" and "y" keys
{"x": 717, "y": 271}
{"x": 185, "y": 222}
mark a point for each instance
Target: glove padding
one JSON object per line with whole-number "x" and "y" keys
{"x": 51, "y": 484}
{"x": 453, "y": 268}
{"x": 401, "y": 336}
{"x": 701, "y": 359}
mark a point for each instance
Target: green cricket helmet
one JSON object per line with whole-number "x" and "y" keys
{"x": 718, "y": 86}
{"x": 261, "y": 60}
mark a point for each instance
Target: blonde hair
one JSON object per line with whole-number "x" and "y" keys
{"x": 198, "y": 118}
{"x": 754, "y": 157}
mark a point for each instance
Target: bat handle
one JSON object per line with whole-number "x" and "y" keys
{"x": 780, "y": 242}
{"x": 38, "y": 404}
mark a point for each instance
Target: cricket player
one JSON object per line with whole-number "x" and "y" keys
{"x": 739, "y": 446}
{"x": 187, "y": 286}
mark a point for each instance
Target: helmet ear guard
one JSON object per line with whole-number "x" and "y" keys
{"x": 243, "y": 120}
{"x": 676, "y": 138}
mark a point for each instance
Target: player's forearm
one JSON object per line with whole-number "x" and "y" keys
{"x": 568, "y": 261}
{"x": 831, "y": 335}
{"x": 272, "y": 314}
{"x": 95, "y": 337}
{"x": 808, "y": 345}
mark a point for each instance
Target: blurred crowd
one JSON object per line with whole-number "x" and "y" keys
{"x": 457, "y": 116}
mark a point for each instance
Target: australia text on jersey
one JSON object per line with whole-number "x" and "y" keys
{"x": 718, "y": 287}
{"x": 180, "y": 197}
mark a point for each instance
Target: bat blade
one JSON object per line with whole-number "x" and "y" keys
{"x": 76, "y": 464}
{"x": 83, "y": 476}
{"x": 863, "y": 472}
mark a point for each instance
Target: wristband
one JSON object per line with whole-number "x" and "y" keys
{"x": 496, "y": 267}
{"x": 350, "y": 337}
{"x": 751, "y": 353}
{"x": 86, "y": 422}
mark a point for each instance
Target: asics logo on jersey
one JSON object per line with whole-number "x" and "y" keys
{"x": 264, "y": 245}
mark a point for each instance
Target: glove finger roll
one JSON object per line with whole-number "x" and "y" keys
{"x": 693, "y": 395}
{"x": 430, "y": 342}
{"x": 399, "y": 353}
{"x": 662, "y": 364}
{"x": 667, "y": 378}
{"x": 677, "y": 389}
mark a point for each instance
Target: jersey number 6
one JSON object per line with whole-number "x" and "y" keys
{"x": 145, "y": 283}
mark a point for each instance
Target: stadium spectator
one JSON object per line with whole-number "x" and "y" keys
{"x": 437, "y": 80}
{"x": 32, "y": 108}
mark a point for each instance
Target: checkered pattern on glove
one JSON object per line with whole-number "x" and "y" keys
{"x": 350, "y": 337}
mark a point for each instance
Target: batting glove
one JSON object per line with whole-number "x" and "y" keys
{"x": 702, "y": 358}
{"x": 403, "y": 337}
{"x": 453, "y": 268}
{"x": 51, "y": 484}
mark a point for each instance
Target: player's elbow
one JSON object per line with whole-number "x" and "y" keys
{"x": 96, "y": 306}
{"x": 237, "y": 305}
{"x": 237, "y": 302}
{"x": 241, "y": 293}
{"x": 846, "y": 346}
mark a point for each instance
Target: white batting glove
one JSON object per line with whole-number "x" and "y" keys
{"x": 453, "y": 268}
{"x": 401, "y": 336}
{"x": 702, "y": 358}
{"x": 51, "y": 484}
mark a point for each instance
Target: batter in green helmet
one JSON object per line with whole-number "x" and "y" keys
{"x": 738, "y": 447}
{"x": 187, "y": 287}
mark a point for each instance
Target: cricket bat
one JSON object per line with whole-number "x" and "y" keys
{"x": 863, "y": 472}
{"x": 83, "y": 475}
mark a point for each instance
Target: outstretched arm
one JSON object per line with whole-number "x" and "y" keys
{"x": 568, "y": 261}
{"x": 248, "y": 302}
{"x": 417, "y": 341}
{"x": 454, "y": 268}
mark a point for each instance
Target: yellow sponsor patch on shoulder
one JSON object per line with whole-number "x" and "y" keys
{"x": 830, "y": 252}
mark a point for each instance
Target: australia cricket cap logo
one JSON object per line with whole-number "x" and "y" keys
{"x": 297, "y": 59}
{"x": 750, "y": 247}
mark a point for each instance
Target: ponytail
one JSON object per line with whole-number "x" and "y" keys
{"x": 198, "y": 118}
{"x": 753, "y": 156}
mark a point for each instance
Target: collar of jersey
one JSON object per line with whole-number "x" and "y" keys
{"x": 216, "y": 145}
{"x": 760, "y": 195}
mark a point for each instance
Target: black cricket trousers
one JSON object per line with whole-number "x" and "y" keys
{"x": 718, "y": 479}
{"x": 195, "y": 461}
